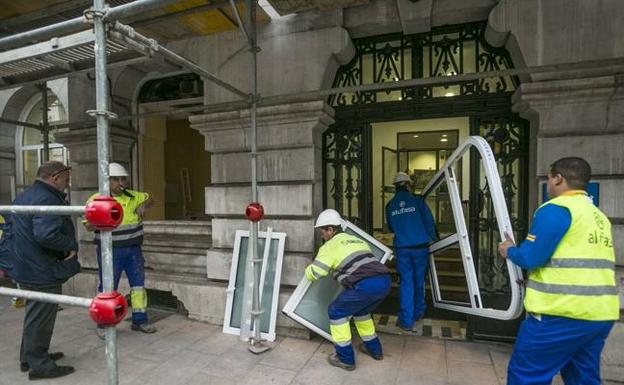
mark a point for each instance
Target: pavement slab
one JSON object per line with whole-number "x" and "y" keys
{"x": 186, "y": 352}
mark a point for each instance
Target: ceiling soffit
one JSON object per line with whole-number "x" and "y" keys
{"x": 285, "y": 7}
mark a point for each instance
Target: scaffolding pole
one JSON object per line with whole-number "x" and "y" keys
{"x": 45, "y": 124}
{"x": 256, "y": 344}
{"x": 239, "y": 20}
{"x": 130, "y": 36}
{"x": 102, "y": 114}
{"x": 78, "y": 24}
{"x": 47, "y": 297}
{"x": 43, "y": 210}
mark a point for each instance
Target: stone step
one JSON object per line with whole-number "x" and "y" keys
{"x": 174, "y": 249}
{"x": 183, "y": 228}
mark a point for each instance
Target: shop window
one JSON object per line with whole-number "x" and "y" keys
{"x": 29, "y": 140}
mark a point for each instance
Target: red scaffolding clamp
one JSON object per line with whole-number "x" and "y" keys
{"x": 104, "y": 212}
{"x": 254, "y": 211}
{"x": 108, "y": 308}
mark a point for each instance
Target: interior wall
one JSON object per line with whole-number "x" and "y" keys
{"x": 153, "y": 164}
{"x": 385, "y": 135}
{"x": 422, "y": 161}
{"x": 184, "y": 149}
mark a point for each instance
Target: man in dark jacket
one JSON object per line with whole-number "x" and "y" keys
{"x": 44, "y": 251}
{"x": 5, "y": 253}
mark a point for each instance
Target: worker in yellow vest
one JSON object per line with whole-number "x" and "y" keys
{"x": 366, "y": 282}
{"x": 571, "y": 294}
{"x": 127, "y": 241}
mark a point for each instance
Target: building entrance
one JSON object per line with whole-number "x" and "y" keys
{"x": 374, "y": 137}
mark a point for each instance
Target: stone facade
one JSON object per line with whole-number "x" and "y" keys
{"x": 289, "y": 181}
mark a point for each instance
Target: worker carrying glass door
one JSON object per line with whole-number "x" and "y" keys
{"x": 410, "y": 219}
{"x": 366, "y": 282}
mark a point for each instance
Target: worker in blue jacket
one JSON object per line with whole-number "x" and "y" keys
{"x": 410, "y": 219}
{"x": 571, "y": 293}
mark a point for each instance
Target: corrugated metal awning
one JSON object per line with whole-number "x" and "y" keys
{"x": 56, "y": 58}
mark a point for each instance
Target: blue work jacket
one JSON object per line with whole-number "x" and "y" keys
{"x": 410, "y": 219}
{"x": 6, "y": 262}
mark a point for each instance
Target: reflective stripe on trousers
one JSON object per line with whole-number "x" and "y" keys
{"x": 365, "y": 327}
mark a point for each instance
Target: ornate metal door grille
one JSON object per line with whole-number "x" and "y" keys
{"x": 508, "y": 138}
{"x": 445, "y": 51}
{"x": 345, "y": 165}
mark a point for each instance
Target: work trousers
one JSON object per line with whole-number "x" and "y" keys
{"x": 412, "y": 267}
{"x": 357, "y": 302}
{"x": 129, "y": 259}
{"x": 556, "y": 344}
{"x": 39, "y": 319}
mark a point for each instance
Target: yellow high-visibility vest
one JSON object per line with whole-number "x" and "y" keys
{"x": 130, "y": 231}
{"x": 348, "y": 258}
{"x": 579, "y": 279}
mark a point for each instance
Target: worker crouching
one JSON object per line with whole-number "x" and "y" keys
{"x": 366, "y": 282}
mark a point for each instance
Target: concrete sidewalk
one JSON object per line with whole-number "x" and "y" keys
{"x": 185, "y": 352}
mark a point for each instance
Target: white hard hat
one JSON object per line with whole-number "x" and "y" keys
{"x": 401, "y": 177}
{"x": 115, "y": 169}
{"x": 329, "y": 217}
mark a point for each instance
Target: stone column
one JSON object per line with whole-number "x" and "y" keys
{"x": 289, "y": 183}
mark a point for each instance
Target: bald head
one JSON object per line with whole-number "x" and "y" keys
{"x": 51, "y": 168}
{"x": 55, "y": 174}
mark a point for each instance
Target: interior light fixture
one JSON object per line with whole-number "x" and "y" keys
{"x": 449, "y": 94}
{"x": 443, "y": 140}
{"x": 444, "y": 135}
{"x": 396, "y": 79}
{"x": 415, "y": 136}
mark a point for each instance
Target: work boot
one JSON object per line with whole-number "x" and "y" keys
{"x": 335, "y": 361}
{"x": 24, "y": 367}
{"x": 364, "y": 350}
{"x": 405, "y": 329}
{"x": 57, "y": 371}
{"x": 144, "y": 328}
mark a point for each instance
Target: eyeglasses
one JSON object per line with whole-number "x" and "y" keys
{"x": 68, "y": 168}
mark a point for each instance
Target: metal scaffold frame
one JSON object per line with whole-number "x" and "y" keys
{"x": 99, "y": 16}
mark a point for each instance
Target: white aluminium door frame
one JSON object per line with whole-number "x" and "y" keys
{"x": 269, "y": 236}
{"x": 447, "y": 174}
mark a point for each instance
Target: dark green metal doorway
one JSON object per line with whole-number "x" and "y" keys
{"x": 347, "y": 145}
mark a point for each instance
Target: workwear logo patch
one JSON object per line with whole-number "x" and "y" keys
{"x": 599, "y": 221}
{"x": 403, "y": 209}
